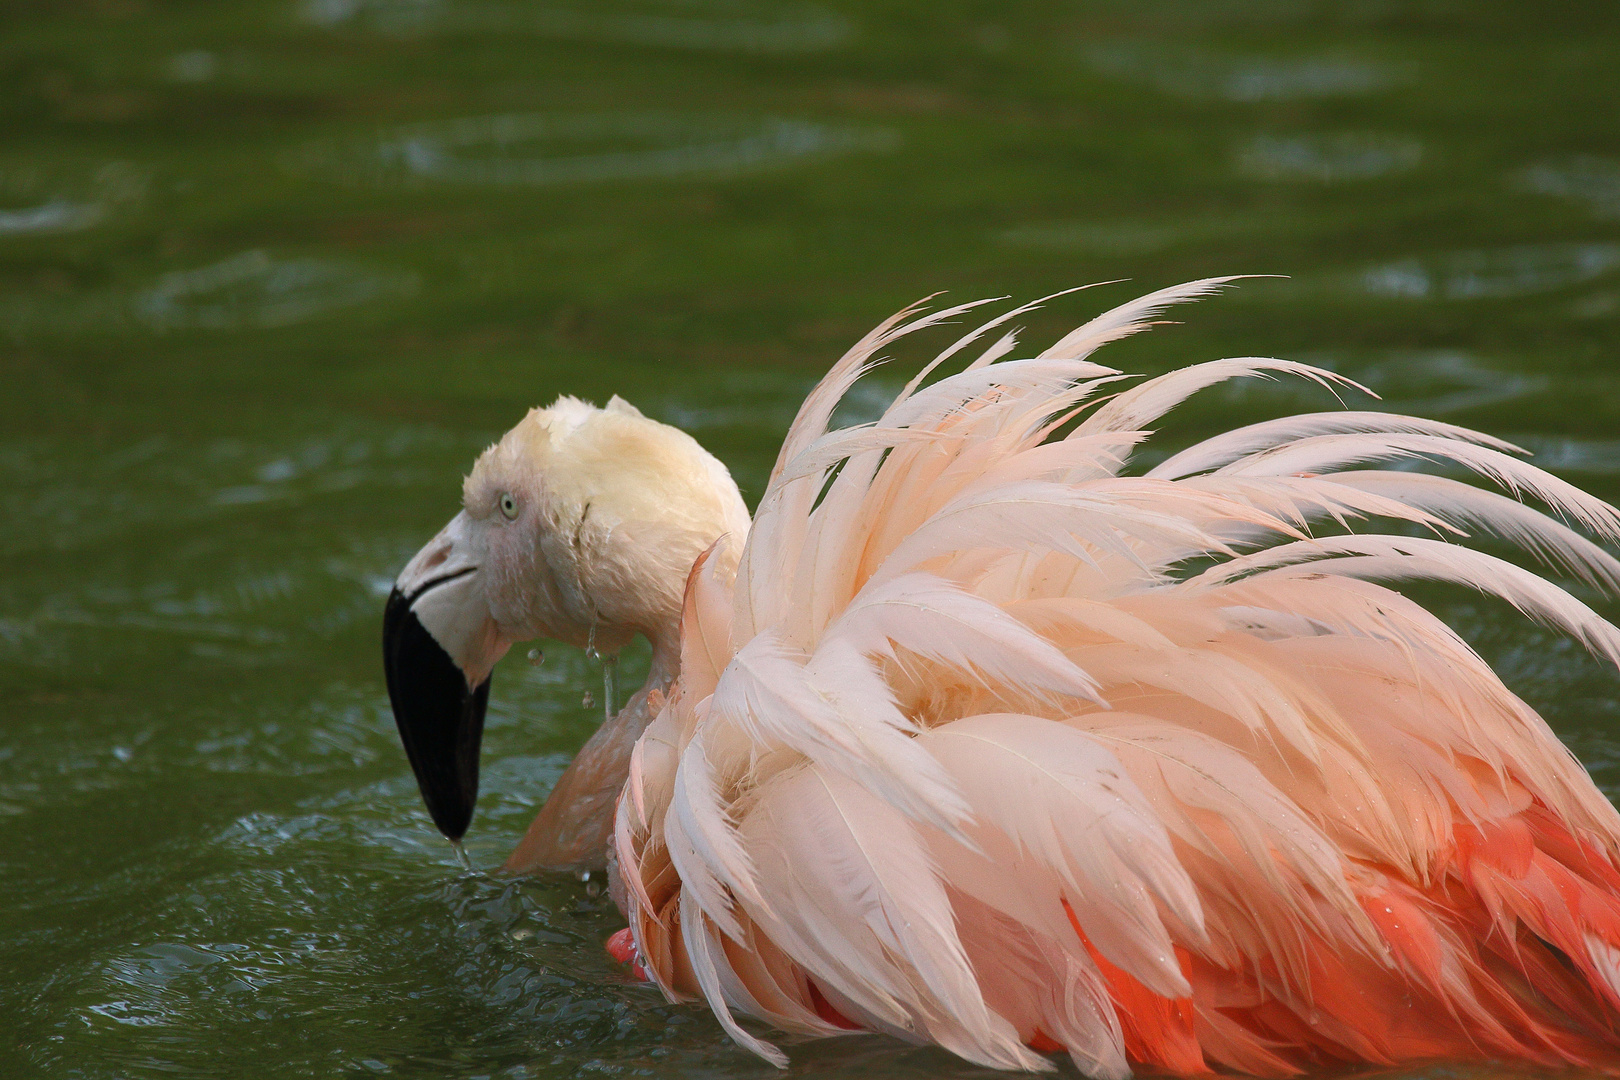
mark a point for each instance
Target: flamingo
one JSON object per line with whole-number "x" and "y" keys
{"x": 976, "y": 736}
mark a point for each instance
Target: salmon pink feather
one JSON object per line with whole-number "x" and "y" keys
{"x": 995, "y": 743}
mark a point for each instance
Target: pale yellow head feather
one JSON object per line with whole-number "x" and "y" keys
{"x": 612, "y": 509}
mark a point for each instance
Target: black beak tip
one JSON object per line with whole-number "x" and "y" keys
{"x": 440, "y": 720}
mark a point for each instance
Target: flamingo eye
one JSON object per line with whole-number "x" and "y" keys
{"x": 508, "y": 506}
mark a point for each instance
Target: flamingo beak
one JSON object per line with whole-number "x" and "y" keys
{"x": 440, "y": 644}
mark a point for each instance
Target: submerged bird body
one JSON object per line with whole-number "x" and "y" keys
{"x": 979, "y": 740}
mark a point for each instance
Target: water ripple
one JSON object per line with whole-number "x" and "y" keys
{"x": 1196, "y": 73}
{"x": 58, "y": 215}
{"x": 534, "y": 149}
{"x": 1328, "y": 158}
{"x": 764, "y": 26}
{"x": 38, "y": 198}
{"x": 1594, "y": 181}
{"x": 1442, "y": 382}
{"x": 253, "y": 289}
{"x": 1492, "y": 273}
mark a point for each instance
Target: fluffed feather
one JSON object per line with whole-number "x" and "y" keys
{"x": 1253, "y": 810}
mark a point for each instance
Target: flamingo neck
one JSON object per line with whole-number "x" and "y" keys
{"x": 572, "y": 830}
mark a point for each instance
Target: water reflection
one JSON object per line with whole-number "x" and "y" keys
{"x": 1491, "y": 274}
{"x": 1443, "y": 382}
{"x": 204, "y": 585}
{"x": 766, "y": 26}
{"x": 1594, "y": 181}
{"x": 1195, "y": 73}
{"x": 1177, "y": 14}
{"x": 58, "y": 215}
{"x": 1133, "y": 237}
{"x": 746, "y": 399}
{"x": 36, "y": 198}
{"x": 539, "y": 150}
{"x": 1572, "y": 455}
{"x": 254, "y": 289}
{"x": 1328, "y": 157}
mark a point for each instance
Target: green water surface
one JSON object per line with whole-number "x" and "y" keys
{"x": 271, "y": 273}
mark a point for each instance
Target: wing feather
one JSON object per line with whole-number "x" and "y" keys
{"x": 1143, "y": 404}
{"x": 1228, "y": 446}
{"x": 1069, "y": 804}
{"x": 1235, "y": 746}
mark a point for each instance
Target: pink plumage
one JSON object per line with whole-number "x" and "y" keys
{"x": 990, "y": 745}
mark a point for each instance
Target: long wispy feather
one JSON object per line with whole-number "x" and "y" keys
{"x": 1255, "y": 809}
{"x": 1227, "y": 447}
{"x": 1326, "y": 453}
{"x": 1141, "y": 406}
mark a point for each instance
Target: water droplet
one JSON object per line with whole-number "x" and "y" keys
{"x": 610, "y": 685}
{"x": 536, "y": 657}
{"x": 587, "y": 700}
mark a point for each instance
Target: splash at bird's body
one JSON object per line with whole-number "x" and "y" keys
{"x": 980, "y": 737}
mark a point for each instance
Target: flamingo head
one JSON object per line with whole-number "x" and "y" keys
{"x": 580, "y": 526}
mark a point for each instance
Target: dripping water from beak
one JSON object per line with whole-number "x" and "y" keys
{"x": 610, "y": 685}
